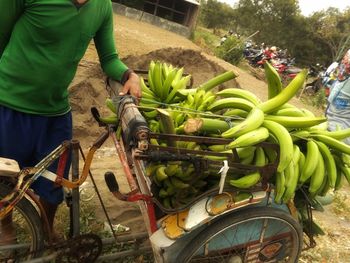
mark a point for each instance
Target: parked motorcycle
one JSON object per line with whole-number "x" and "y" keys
{"x": 321, "y": 79}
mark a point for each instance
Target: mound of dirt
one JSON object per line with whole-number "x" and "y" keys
{"x": 88, "y": 87}
{"x": 200, "y": 67}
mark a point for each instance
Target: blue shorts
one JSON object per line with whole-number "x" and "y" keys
{"x": 28, "y": 138}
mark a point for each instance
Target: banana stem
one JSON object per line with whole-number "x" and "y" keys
{"x": 205, "y": 125}
{"x": 167, "y": 123}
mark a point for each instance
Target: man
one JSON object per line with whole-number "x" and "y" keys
{"x": 338, "y": 110}
{"x": 41, "y": 44}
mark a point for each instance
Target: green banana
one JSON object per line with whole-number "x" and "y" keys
{"x": 217, "y": 80}
{"x": 178, "y": 183}
{"x": 291, "y": 112}
{"x": 150, "y": 114}
{"x": 171, "y": 169}
{"x": 333, "y": 143}
{"x": 308, "y": 113}
{"x": 166, "y": 203}
{"x": 157, "y": 80}
{"x": 325, "y": 187}
{"x": 312, "y": 155}
{"x": 259, "y": 157}
{"x": 274, "y": 83}
{"x": 206, "y": 102}
{"x": 317, "y": 177}
{"x": 247, "y": 160}
{"x": 160, "y": 174}
{"x": 198, "y": 98}
{"x": 329, "y": 162}
{"x": 154, "y": 141}
{"x": 162, "y": 193}
{"x": 338, "y": 182}
{"x": 270, "y": 154}
{"x": 144, "y": 87}
{"x": 339, "y": 135}
{"x": 148, "y": 96}
{"x": 190, "y": 100}
{"x": 292, "y": 176}
{"x": 286, "y": 94}
{"x": 246, "y": 181}
{"x": 320, "y": 127}
{"x": 177, "y": 77}
{"x": 111, "y": 119}
{"x": 245, "y": 152}
{"x": 154, "y": 125}
{"x": 236, "y": 112}
{"x": 151, "y": 169}
{"x": 183, "y": 93}
{"x": 236, "y": 103}
{"x": 165, "y": 69}
{"x": 147, "y": 104}
{"x": 284, "y": 140}
{"x": 170, "y": 190}
{"x": 344, "y": 169}
{"x": 239, "y": 93}
{"x": 253, "y": 121}
{"x": 296, "y": 122}
{"x": 191, "y": 145}
{"x": 300, "y": 135}
{"x": 180, "y": 85}
{"x": 280, "y": 186}
{"x": 250, "y": 138}
{"x": 110, "y": 105}
{"x": 301, "y": 162}
{"x": 218, "y": 147}
{"x": 150, "y": 76}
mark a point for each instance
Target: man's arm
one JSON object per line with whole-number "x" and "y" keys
{"x": 110, "y": 61}
{"x": 10, "y": 11}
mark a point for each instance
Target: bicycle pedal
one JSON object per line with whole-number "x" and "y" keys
{"x": 111, "y": 182}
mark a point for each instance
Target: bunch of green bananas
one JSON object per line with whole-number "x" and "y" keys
{"x": 177, "y": 182}
{"x": 162, "y": 86}
{"x": 310, "y": 156}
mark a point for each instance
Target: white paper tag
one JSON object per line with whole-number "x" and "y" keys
{"x": 223, "y": 172}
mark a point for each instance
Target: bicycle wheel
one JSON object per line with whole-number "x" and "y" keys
{"x": 257, "y": 234}
{"x": 29, "y": 235}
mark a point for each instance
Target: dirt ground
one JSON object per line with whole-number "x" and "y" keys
{"x": 138, "y": 43}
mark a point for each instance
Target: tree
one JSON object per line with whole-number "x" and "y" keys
{"x": 320, "y": 38}
{"x": 332, "y": 28}
{"x": 215, "y": 14}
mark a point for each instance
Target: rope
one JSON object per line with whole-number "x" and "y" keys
{"x": 185, "y": 110}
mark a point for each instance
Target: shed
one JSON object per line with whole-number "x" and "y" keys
{"x": 183, "y": 12}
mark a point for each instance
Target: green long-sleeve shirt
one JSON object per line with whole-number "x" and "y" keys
{"x": 41, "y": 44}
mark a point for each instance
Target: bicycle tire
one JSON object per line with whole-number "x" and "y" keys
{"x": 210, "y": 239}
{"x": 29, "y": 230}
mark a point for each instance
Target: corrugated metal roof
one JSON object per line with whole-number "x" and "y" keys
{"x": 192, "y": 2}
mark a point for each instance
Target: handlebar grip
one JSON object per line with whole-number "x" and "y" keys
{"x": 111, "y": 182}
{"x": 134, "y": 125}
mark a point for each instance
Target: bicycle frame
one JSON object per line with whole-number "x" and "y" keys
{"x": 139, "y": 184}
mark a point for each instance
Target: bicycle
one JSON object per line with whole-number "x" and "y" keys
{"x": 213, "y": 227}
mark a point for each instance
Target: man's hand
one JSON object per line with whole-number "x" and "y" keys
{"x": 132, "y": 86}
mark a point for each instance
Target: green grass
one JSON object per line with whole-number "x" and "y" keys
{"x": 206, "y": 39}
{"x": 88, "y": 221}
